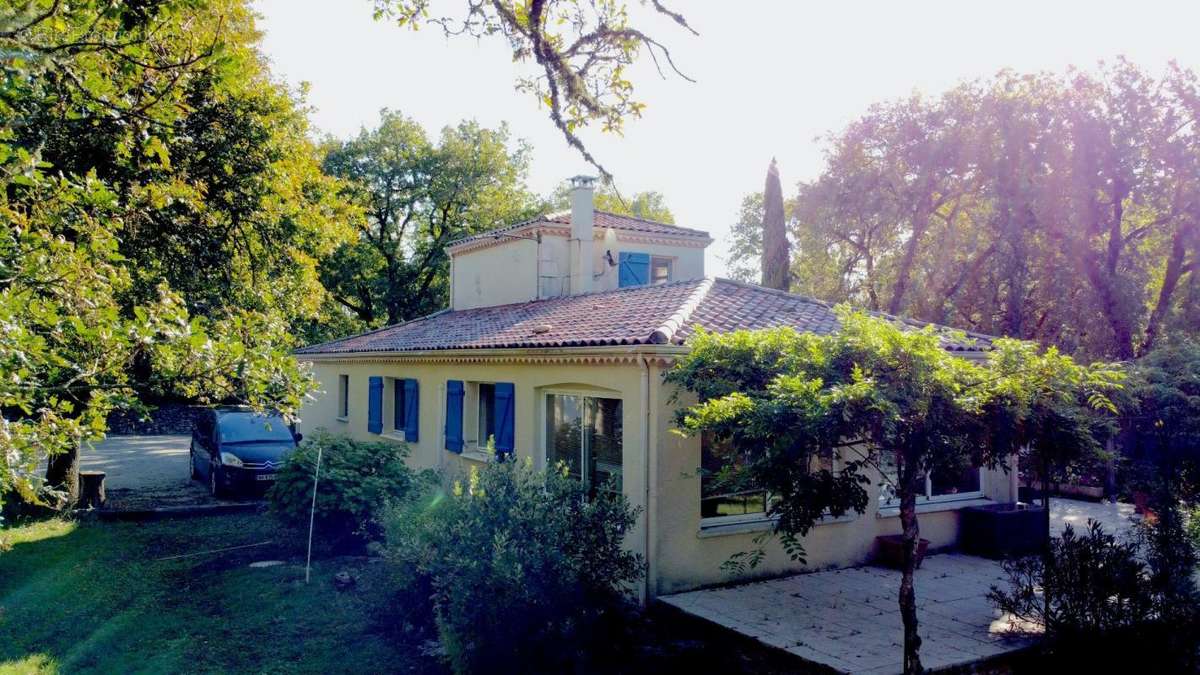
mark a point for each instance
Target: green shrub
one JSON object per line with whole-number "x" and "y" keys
{"x": 357, "y": 481}
{"x": 1112, "y": 602}
{"x": 525, "y": 572}
{"x": 1095, "y": 584}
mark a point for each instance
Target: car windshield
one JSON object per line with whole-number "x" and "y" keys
{"x": 250, "y": 427}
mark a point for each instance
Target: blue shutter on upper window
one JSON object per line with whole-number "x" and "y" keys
{"x": 633, "y": 269}
{"x": 454, "y": 415}
{"x": 505, "y": 416}
{"x": 412, "y": 400}
{"x": 375, "y": 405}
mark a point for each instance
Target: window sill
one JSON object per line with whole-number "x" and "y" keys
{"x": 481, "y": 455}
{"x": 397, "y": 436}
{"x": 716, "y": 528}
{"x": 934, "y": 507}
{"x": 342, "y": 419}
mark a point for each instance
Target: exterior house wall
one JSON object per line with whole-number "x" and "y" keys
{"x": 495, "y": 275}
{"x": 531, "y": 381}
{"x": 687, "y": 262}
{"x": 518, "y": 270}
{"x": 682, "y": 553}
{"x": 689, "y": 555}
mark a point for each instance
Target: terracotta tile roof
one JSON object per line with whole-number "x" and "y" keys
{"x": 666, "y": 314}
{"x": 618, "y": 222}
{"x": 604, "y": 219}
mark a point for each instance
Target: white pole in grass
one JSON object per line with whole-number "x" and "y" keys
{"x": 312, "y": 515}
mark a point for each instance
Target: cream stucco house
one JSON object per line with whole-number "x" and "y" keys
{"x": 559, "y": 331}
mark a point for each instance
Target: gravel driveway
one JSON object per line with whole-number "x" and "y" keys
{"x": 140, "y": 462}
{"x": 146, "y": 472}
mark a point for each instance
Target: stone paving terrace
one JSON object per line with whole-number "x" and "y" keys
{"x": 848, "y": 620}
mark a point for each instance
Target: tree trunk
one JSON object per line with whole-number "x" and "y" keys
{"x": 1046, "y": 554}
{"x": 1174, "y": 272}
{"x": 908, "y": 594}
{"x": 62, "y": 475}
{"x": 1111, "y": 306}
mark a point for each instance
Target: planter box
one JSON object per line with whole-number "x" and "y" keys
{"x": 889, "y": 550}
{"x": 1002, "y": 530}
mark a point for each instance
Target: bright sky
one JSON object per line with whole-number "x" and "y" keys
{"x": 772, "y": 77}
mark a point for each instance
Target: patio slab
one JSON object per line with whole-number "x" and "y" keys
{"x": 848, "y": 620}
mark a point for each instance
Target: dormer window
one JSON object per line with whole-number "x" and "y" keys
{"x": 642, "y": 269}
{"x": 660, "y": 271}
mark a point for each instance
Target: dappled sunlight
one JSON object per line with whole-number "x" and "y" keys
{"x": 35, "y": 532}
{"x": 1115, "y": 517}
{"x": 818, "y": 616}
{"x": 41, "y": 664}
{"x": 1011, "y": 625}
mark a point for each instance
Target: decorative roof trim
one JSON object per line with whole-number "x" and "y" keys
{"x": 664, "y": 239}
{"x": 555, "y": 230}
{"x": 661, "y": 354}
{"x": 304, "y": 351}
{"x": 470, "y": 245}
{"x": 562, "y": 217}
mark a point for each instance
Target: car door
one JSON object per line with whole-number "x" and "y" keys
{"x": 202, "y": 437}
{"x": 214, "y": 442}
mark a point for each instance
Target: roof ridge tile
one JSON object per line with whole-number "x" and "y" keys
{"x": 667, "y": 330}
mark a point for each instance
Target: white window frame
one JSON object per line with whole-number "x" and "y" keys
{"x": 929, "y": 498}
{"x": 543, "y": 458}
{"x": 670, "y": 261}
{"x": 758, "y": 516}
{"x": 472, "y": 434}
{"x": 343, "y": 398}
{"x": 389, "y": 408}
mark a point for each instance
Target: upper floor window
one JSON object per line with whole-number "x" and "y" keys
{"x": 642, "y": 269}
{"x": 660, "y": 270}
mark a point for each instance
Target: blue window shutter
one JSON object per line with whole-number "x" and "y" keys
{"x": 375, "y": 405}
{"x": 505, "y": 414}
{"x": 412, "y": 400}
{"x": 454, "y": 415}
{"x": 633, "y": 269}
{"x": 397, "y": 404}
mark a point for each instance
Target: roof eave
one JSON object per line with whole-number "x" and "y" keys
{"x": 650, "y": 349}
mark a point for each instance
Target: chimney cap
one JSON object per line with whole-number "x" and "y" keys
{"x": 583, "y": 181}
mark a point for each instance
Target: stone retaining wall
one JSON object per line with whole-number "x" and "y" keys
{"x": 169, "y": 418}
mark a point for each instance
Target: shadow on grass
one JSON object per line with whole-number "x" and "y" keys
{"x": 98, "y": 597}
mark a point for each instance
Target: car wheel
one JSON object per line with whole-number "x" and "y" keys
{"x": 192, "y": 472}
{"x": 214, "y": 482}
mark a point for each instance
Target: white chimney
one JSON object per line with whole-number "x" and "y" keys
{"x": 583, "y": 219}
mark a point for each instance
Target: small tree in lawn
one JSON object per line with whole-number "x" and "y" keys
{"x": 781, "y": 398}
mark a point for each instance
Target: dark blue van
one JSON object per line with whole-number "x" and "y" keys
{"x": 238, "y": 450}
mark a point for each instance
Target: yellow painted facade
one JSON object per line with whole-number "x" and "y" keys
{"x": 660, "y": 467}
{"x": 517, "y": 268}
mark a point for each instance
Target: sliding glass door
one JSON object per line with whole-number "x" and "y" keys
{"x": 584, "y": 433}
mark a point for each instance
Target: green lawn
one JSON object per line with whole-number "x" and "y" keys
{"x": 90, "y": 597}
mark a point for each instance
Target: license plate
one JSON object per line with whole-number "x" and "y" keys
{"x": 265, "y": 476}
